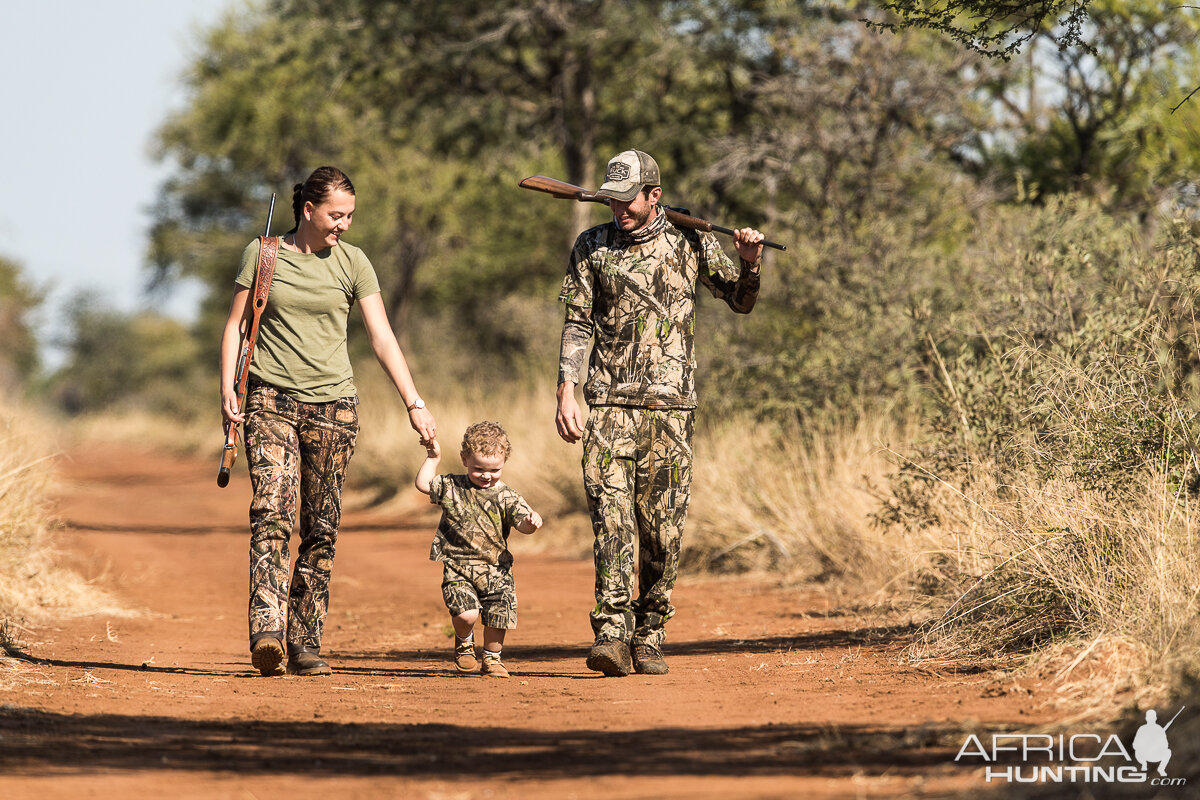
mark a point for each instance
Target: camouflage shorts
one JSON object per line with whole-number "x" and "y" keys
{"x": 483, "y": 586}
{"x": 297, "y": 455}
{"x": 637, "y": 474}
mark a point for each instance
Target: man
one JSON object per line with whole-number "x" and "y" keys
{"x": 1150, "y": 743}
{"x": 632, "y": 283}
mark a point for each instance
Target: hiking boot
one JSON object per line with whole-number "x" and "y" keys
{"x": 267, "y": 656}
{"x": 648, "y": 660}
{"x": 306, "y": 661}
{"x": 610, "y": 657}
{"x": 464, "y": 655}
{"x": 493, "y": 667}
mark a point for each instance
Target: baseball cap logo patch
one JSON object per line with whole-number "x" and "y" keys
{"x": 617, "y": 171}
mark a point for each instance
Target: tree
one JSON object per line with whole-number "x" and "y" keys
{"x": 144, "y": 360}
{"x": 1100, "y": 120}
{"x": 435, "y": 111}
{"x": 994, "y": 28}
{"x": 19, "y": 302}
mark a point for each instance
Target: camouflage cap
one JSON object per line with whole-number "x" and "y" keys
{"x": 627, "y": 173}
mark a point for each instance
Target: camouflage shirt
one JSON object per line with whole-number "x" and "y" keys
{"x": 475, "y": 522}
{"x": 636, "y": 292}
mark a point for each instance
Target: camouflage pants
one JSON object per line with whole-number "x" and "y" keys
{"x": 487, "y": 587}
{"x": 637, "y": 473}
{"x": 294, "y": 448}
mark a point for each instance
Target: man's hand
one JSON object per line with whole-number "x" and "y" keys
{"x": 569, "y": 418}
{"x": 749, "y": 244}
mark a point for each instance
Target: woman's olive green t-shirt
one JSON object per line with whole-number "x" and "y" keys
{"x": 301, "y": 345}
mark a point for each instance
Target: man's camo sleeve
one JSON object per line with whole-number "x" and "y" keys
{"x": 736, "y": 285}
{"x": 577, "y": 295}
{"x": 576, "y": 336}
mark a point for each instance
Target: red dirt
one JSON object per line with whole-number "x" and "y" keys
{"x": 772, "y": 692}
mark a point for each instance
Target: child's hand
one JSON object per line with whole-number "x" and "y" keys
{"x": 535, "y": 519}
{"x": 433, "y": 449}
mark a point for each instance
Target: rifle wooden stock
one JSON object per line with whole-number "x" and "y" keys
{"x": 569, "y": 191}
{"x": 268, "y": 249}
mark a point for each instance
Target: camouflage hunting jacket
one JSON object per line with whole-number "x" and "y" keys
{"x": 475, "y": 522}
{"x": 636, "y": 293}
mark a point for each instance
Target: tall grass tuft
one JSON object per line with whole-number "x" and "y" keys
{"x": 34, "y": 584}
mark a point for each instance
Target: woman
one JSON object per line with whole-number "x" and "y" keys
{"x": 301, "y": 418}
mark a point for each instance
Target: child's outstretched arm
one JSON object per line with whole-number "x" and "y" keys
{"x": 530, "y": 523}
{"x": 433, "y": 455}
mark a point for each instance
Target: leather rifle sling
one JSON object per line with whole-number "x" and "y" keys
{"x": 267, "y": 251}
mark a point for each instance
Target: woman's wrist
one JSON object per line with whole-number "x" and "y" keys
{"x": 416, "y": 404}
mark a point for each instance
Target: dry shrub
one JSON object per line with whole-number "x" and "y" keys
{"x": 1062, "y": 476}
{"x": 1046, "y": 567}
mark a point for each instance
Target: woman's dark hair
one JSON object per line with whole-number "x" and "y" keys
{"x": 323, "y": 182}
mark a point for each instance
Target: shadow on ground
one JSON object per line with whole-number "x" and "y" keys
{"x": 38, "y": 742}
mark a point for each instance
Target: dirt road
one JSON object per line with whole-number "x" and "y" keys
{"x": 771, "y": 693}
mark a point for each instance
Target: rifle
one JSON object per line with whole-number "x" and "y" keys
{"x": 268, "y": 248}
{"x": 1172, "y": 722}
{"x": 568, "y": 191}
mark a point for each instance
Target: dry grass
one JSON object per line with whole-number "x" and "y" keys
{"x": 798, "y": 500}
{"x": 34, "y": 585}
{"x": 144, "y": 430}
{"x": 1096, "y": 594}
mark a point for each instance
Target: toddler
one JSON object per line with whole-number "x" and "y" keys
{"x": 472, "y": 542}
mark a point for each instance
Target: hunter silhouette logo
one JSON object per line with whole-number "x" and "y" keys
{"x": 617, "y": 171}
{"x": 1150, "y": 742}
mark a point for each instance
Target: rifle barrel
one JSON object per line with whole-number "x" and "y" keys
{"x": 1177, "y": 713}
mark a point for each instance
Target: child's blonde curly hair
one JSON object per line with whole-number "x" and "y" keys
{"x": 486, "y": 439}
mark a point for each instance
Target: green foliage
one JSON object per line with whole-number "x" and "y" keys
{"x": 995, "y": 28}
{"x": 867, "y": 153}
{"x": 1078, "y": 360}
{"x": 435, "y": 112}
{"x": 144, "y": 360}
{"x": 19, "y": 302}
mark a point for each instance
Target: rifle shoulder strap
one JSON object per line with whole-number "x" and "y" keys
{"x": 268, "y": 249}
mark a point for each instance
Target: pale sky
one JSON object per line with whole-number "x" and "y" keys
{"x": 85, "y": 84}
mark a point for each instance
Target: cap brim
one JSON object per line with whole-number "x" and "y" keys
{"x": 624, "y": 191}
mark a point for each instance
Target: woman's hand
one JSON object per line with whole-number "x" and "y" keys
{"x": 229, "y": 408}
{"x": 422, "y": 422}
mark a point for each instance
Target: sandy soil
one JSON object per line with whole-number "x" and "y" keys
{"x": 772, "y": 692}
